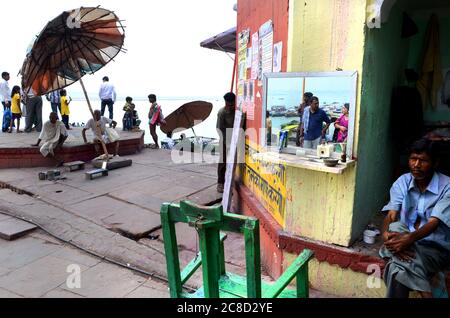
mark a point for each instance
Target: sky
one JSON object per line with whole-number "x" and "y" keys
{"x": 288, "y": 91}
{"x": 163, "y": 38}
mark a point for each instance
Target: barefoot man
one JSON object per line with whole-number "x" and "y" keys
{"x": 100, "y": 124}
{"x": 53, "y": 134}
{"x": 416, "y": 230}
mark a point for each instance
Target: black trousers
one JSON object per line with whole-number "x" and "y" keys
{"x": 65, "y": 120}
{"x": 34, "y": 114}
{"x": 222, "y": 167}
{"x": 110, "y": 104}
{"x": 56, "y": 107}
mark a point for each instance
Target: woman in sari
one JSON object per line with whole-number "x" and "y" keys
{"x": 342, "y": 124}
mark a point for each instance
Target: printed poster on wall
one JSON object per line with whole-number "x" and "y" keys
{"x": 241, "y": 96}
{"x": 249, "y": 57}
{"x": 266, "y": 48}
{"x": 249, "y": 98}
{"x": 242, "y": 53}
{"x": 277, "y": 57}
{"x": 255, "y": 56}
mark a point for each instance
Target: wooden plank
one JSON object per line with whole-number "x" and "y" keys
{"x": 252, "y": 258}
{"x": 209, "y": 247}
{"x": 231, "y": 160}
{"x": 191, "y": 268}
{"x": 195, "y": 264}
{"x": 171, "y": 252}
{"x": 237, "y": 286}
{"x": 303, "y": 282}
{"x": 288, "y": 275}
{"x": 303, "y": 163}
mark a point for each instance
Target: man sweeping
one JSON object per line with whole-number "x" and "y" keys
{"x": 53, "y": 134}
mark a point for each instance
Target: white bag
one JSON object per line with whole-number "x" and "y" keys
{"x": 23, "y": 109}
{"x": 112, "y": 134}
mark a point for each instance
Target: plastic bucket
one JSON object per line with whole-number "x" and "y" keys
{"x": 369, "y": 236}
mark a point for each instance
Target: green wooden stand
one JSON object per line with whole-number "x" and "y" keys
{"x": 217, "y": 283}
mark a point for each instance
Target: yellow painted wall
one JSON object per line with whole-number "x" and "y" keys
{"x": 340, "y": 282}
{"x": 320, "y": 205}
{"x": 324, "y": 35}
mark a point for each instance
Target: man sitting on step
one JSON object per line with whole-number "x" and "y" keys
{"x": 101, "y": 132}
{"x": 416, "y": 231}
{"x": 53, "y": 134}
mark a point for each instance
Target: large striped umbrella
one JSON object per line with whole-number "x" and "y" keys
{"x": 75, "y": 43}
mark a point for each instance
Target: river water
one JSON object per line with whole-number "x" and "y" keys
{"x": 79, "y": 113}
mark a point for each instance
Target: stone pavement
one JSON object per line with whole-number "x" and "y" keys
{"x": 38, "y": 265}
{"x": 115, "y": 218}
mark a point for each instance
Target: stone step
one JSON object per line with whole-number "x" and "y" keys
{"x": 115, "y": 163}
{"x": 12, "y": 228}
{"x": 97, "y": 173}
{"x": 74, "y": 166}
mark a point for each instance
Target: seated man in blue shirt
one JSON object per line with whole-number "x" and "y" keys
{"x": 312, "y": 130}
{"x": 416, "y": 231}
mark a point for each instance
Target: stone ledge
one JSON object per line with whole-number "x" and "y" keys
{"x": 323, "y": 252}
{"x": 31, "y": 157}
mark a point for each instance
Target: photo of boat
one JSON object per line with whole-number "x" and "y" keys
{"x": 278, "y": 111}
{"x": 292, "y": 112}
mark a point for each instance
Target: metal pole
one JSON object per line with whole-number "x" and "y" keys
{"x": 234, "y": 74}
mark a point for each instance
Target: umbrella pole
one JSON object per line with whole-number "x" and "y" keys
{"x": 92, "y": 113}
{"x": 185, "y": 115}
{"x": 194, "y": 132}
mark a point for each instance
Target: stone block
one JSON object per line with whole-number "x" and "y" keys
{"x": 74, "y": 166}
{"x": 97, "y": 173}
{"x": 115, "y": 163}
{"x": 12, "y": 228}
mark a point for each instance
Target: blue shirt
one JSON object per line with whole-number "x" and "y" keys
{"x": 412, "y": 204}
{"x": 54, "y": 97}
{"x": 315, "y": 125}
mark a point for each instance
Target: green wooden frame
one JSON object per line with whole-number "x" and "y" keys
{"x": 209, "y": 221}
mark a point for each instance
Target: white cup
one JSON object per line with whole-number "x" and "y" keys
{"x": 369, "y": 236}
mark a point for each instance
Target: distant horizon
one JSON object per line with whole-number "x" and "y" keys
{"x": 77, "y": 96}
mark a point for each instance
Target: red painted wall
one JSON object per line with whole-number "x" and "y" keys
{"x": 253, "y": 14}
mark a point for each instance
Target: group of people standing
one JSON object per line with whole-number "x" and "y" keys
{"x": 314, "y": 123}
{"x": 12, "y": 101}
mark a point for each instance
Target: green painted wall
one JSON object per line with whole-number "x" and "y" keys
{"x": 416, "y": 46}
{"x": 384, "y": 61}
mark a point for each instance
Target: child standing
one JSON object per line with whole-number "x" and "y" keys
{"x": 65, "y": 112}
{"x": 15, "y": 108}
{"x": 136, "y": 120}
{"x": 128, "y": 116}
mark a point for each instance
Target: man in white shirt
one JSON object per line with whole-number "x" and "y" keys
{"x": 5, "y": 91}
{"x": 98, "y": 128}
{"x": 108, "y": 96}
